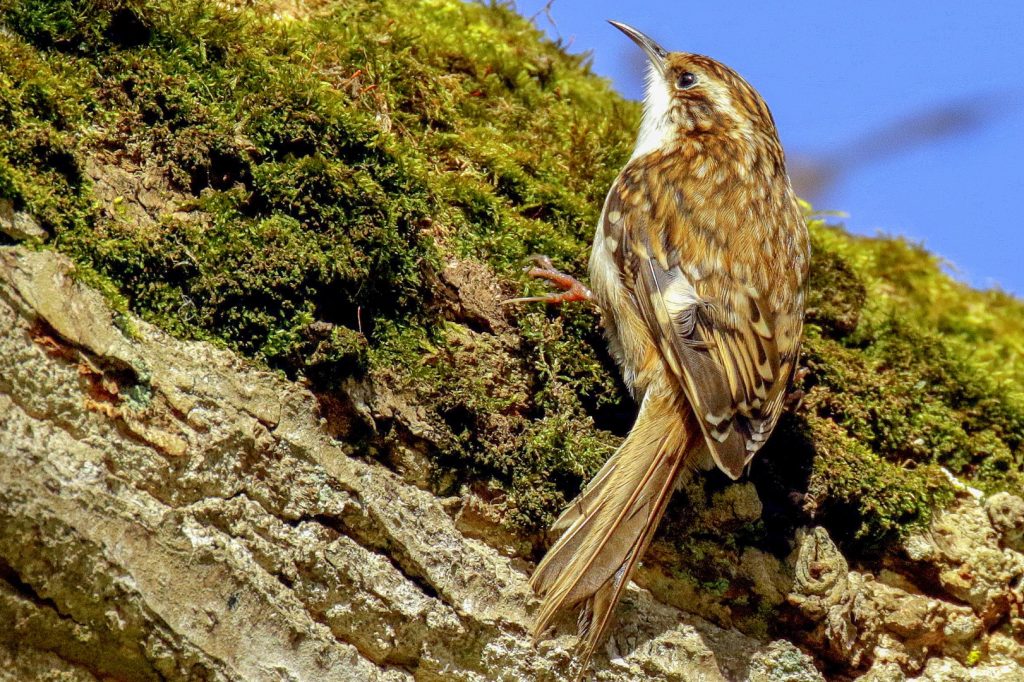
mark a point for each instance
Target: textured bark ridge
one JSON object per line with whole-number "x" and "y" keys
{"x": 169, "y": 512}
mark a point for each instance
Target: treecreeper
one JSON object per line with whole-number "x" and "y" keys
{"x": 698, "y": 266}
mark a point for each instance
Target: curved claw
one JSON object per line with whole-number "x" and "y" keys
{"x": 541, "y": 261}
{"x": 523, "y": 299}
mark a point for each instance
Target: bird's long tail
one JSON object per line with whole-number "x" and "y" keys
{"x": 608, "y": 527}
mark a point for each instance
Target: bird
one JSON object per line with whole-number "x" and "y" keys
{"x": 698, "y": 266}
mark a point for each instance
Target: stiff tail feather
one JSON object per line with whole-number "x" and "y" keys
{"x": 609, "y": 526}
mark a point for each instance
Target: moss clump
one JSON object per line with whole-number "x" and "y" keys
{"x": 41, "y": 108}
{"x": 982, "y": 329}
{"x": 504, "y": 410}
{"x": 295, "y": 188}
{"x": 864, "y": 498}
{"x": 894, "y": 391}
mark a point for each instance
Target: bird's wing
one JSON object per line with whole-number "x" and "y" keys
{"x": 716, "y": 335}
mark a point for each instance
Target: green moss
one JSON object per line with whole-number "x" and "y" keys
{"x": 836, "y": 293}
{"x": 895, "y": 390}
{"x": 866, "y": 498}
{"x": 984, "y": 329}
{"x": 41, "y": 106}
{"x": 498, "y": 417}
{"x": 320, "y": 172}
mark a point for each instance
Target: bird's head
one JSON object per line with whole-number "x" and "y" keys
{"x": 691, "y": 95}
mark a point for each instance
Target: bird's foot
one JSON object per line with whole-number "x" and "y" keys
{"x": 571, "y": 288}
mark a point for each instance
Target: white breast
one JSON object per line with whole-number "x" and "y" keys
{"x": 611, "y": 296}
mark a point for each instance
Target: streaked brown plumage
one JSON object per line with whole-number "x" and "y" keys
{"x": 698, "y": 265}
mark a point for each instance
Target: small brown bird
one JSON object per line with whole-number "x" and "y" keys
{"x": 698, "y": 266}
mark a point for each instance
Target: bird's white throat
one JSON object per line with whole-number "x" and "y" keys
{"x": 656, "y": 130}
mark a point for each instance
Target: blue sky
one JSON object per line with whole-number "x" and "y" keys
{"x": 860, "y": 87}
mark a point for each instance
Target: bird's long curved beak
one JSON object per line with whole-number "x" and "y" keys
{"x": 655, "y": 52}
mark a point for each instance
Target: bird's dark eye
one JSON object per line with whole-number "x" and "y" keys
{"x": 686, "y": 80}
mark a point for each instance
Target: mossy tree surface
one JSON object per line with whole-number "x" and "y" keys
{"x": 328, "y": 168}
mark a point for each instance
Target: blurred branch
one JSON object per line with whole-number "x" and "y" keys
{"x": 814, "y": 175}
